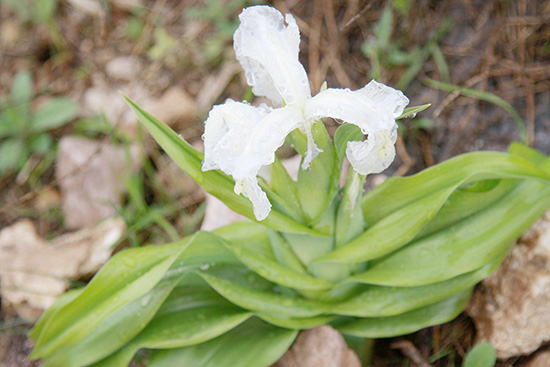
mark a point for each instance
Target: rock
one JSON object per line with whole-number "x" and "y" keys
{"x": 218, "y": 214}
{"x": 540, "y": 359}
{"x": 10, "y": 32}
{"x": 91, "y": 177}
{"x": 173, "y": 106}
{"x": 511, "y": 308}
{"x": 319, "y": 347}
{"x": 124, "y": 68}
{"x": 105, "y": 100}
{"x": 33, "y": 271}
{"x": 127, "y": 4}
{"x": 90, "y": 7}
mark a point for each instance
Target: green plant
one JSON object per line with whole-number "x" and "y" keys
{"x": 400, "y": 258}
{"x": 24, "y": 131}
{"x": 384, "y": 53}
{"x": 481, "y": 355}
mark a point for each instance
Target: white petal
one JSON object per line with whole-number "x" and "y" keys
{"x": 239, "y": 139}
{"x": 372, "y": 108}
{"x": 374, "y": 154}
{"x": 312, "y": 149}
{"x": 226, "y": 131}
{"x": 250, "y": 189}
{"x": 392, "y": 100}
{"x": 268, "y": 52}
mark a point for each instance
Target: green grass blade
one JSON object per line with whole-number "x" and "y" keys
{"x": 483, "y": 96}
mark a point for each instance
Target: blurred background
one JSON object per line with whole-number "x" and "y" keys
{"x": 72, "y": 154}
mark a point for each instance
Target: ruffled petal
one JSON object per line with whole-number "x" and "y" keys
{"x": 372, "y": 108}
{"x": 374, "y": 154}
{"x": 252, "y": 191}
{"x": 391, "y": 100}
{"x": 239, "y": 139}
{"x": 268, "y": 52}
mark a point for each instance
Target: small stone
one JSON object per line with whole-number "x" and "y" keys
{"x": 127, "y": 4}
{"x": 91, "y": 177}
{"x": 106, "y": 101}
{"x": 319, "y": 347}
{"x": 175, "y": 105}
{"x": 10, "y": 32}
{"x": 511, "y": 308}
{"x": 124, "y": 68}
{"x": 34, "y": 272}
{"x": 218, "y": 214}
{"x": 90, "y": 7}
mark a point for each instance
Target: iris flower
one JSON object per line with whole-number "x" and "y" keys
{"x": 240, "y": 138}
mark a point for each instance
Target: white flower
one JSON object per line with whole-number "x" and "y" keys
{"x": 240, "y": 138}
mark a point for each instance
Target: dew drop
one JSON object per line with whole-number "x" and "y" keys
{"x": 145, "y": 301}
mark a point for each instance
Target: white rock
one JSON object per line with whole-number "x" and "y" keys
{"x": 124, "y": 68}
{"x": 33, "y": 271}
{"x": 91, "y": 177}
{"x": 511, "y": 308}
{"x": 319, "y": 347}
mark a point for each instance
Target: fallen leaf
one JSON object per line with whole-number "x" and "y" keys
{"x": 91, "y": 177}
{"x": 34, "y": 272}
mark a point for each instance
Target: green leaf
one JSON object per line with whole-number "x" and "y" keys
{"x": 349, "y": 218}
{"x": 45, "y": 10}
{"x": 60, "y": 302}
{"x": 241, "y": 288}
{"x": 381, "y": 301}
{"x": 412, "y": 111}
{"x": 465, "y": 246}
{"x": 114, "y": 331}
{"x": 345, "y": 133}
{"x": 21, "y": 88}
{"x": 41, "y": 144}
{"x": 268, "y": 267}
{"x": 283, "y": 185}
{"x": 318, "y": 185}
{"x": 385, "y": 327}
{"x": 296, "y": 323}
{"x": 481, "y": 355}
{"x": 215, "y": 182}
{"x": 11, "y": 122}
{"x": 253, "y": 344}
{"x": 190, "y": 315}
{"x": 127, "y": 276}
{"x": 464, "y": 169}
{"x": 55, "y": 113}
{"x": 13, "y": 155}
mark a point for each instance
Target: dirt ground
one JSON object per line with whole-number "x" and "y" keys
{"x": 499, "y": 48}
